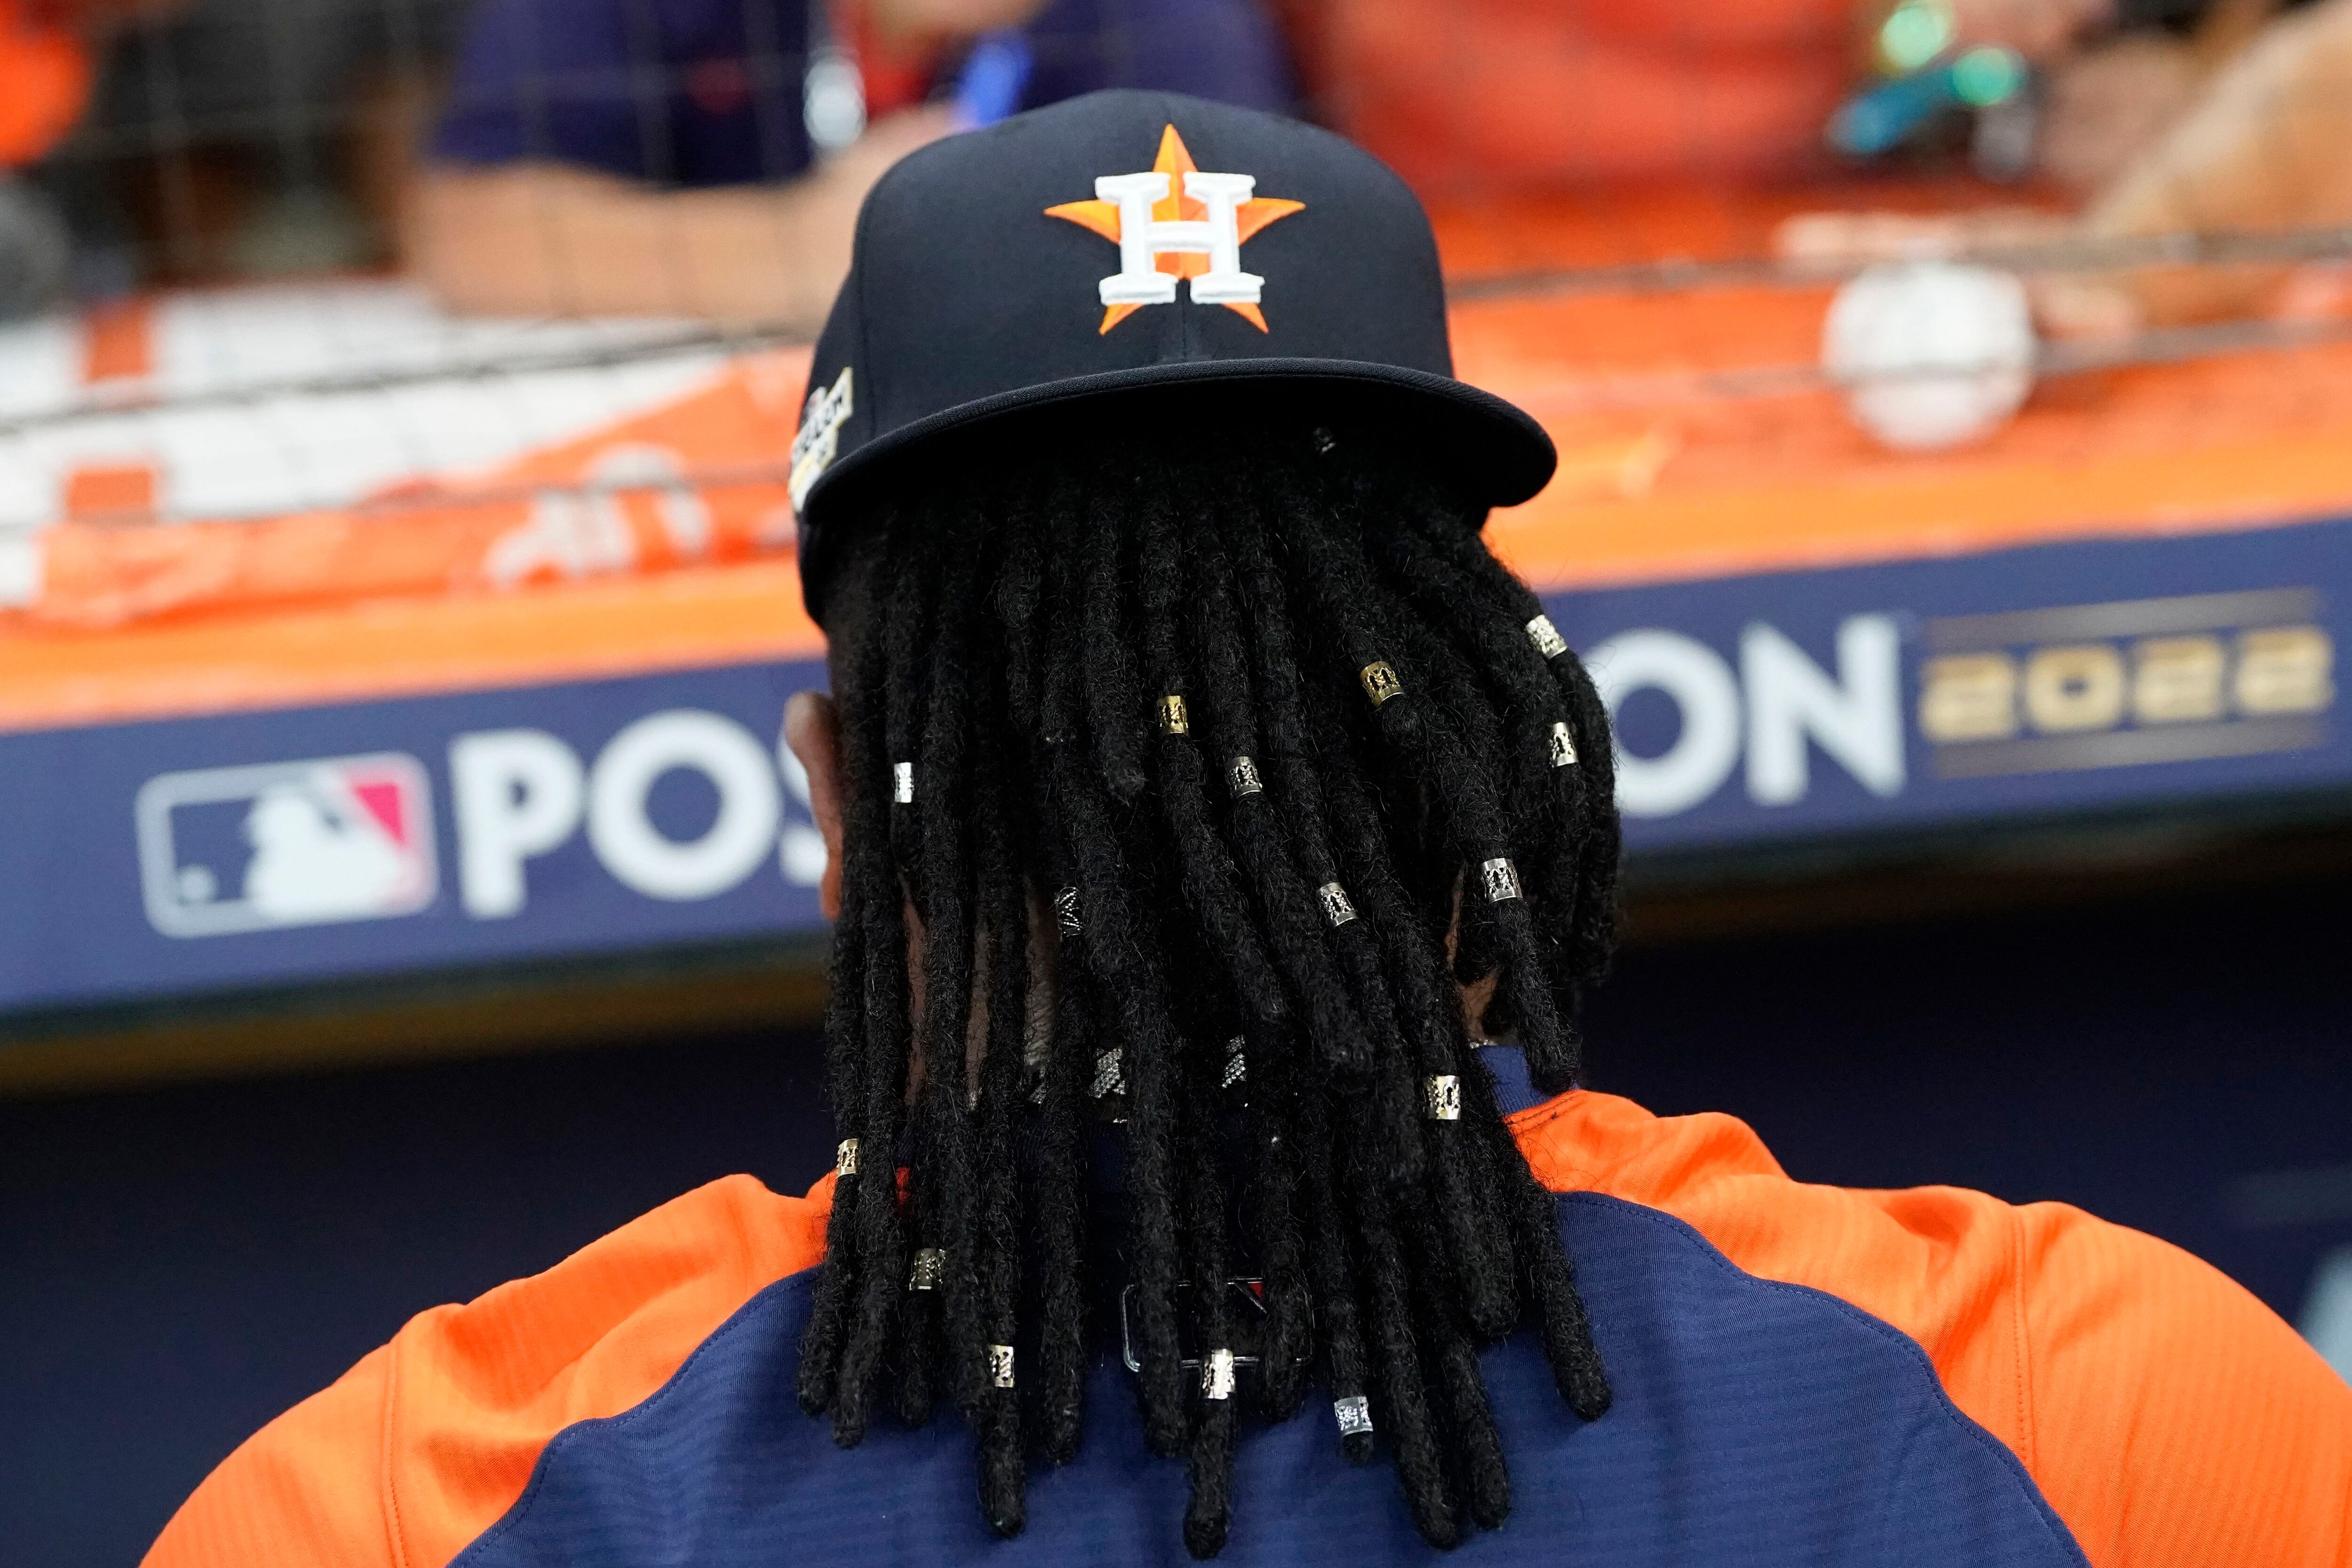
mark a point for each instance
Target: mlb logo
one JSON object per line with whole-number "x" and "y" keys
{"x": 223, "y": 850}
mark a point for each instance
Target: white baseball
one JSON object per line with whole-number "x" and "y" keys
{"x": 1930, "y": 353}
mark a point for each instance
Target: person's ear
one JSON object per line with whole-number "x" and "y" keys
{"x": 813, "y": 729}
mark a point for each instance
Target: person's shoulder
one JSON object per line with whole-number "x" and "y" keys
{"x": 2167, "y": 1415}
{"x": 432, "y": 1437}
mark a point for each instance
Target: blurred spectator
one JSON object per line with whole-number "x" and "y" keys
{"x": 2239, "y": 124}
{"x": 47, "y": 49}
{"x": 1477, "y": 94}
{"x": 698, "y": 157}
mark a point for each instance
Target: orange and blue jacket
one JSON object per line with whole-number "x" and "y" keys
{"x": 1803, "y": 1375}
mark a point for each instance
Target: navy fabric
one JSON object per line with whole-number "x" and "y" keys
{"x": 1225, "y": 51}
{"x": 1755, "y": 1423}
{"x": 684, "y": 92}
{"x": 708, "y": 92}
{"x": 1507, "y": 1068}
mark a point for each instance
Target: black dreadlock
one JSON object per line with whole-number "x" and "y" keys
{"x": 1241, "y": 784}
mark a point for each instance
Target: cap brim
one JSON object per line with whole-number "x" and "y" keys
{"x": 1496, "y": 448}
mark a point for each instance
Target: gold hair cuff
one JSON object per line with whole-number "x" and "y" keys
{"x": 1173, "y": 719}
{"x": 1380, "y": 682}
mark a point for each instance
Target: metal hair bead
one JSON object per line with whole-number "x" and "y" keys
{"x": 1217, "y": 1375}
{"x": 1000, "y": 1365}
{"x": 1563, "y": 745}
{"x": 1380, "y": 682}
{"x": 1501, "y": 880}
{"x": 845, "y": 1158}
{"x": 1110, "y": 1073}
{"x": 1324, "y": 442}
{"x": 930, "y": 1267}
{"x": 1066, "y": 911}
{"x": 1442, "y": 1096}
{"x": 1335, "y": 907}
{"x": 902, "y": 783}
{"x": 1547, "y": 638}
{"x": 1236, "y": 1064}
{"x": 1242, "y": 774}
{"x": 1173, "y": 719}
{"x": 1354, "y": 1415}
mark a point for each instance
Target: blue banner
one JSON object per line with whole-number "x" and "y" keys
{"x": 1921, "y": 693}
{"x": 304, "y": 844}
{"x": 326, "y": 843}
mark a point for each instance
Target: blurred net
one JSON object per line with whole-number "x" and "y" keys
{"x": 321, "y": 297}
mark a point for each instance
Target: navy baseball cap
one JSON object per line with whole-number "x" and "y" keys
{"x": 1128, "y": 240}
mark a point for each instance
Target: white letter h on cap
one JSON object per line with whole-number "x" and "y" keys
{"x": 1142, "y": 239}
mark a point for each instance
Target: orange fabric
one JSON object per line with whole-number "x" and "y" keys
{"x": 693, "y": 480}
{"x": 691, "y": 618}
{"x": 2170, "y": 1418}
{"x": 45, "y": 76}
{"x": 426, "y": 1442}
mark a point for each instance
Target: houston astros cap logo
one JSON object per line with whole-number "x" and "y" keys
{"x": 1174, "y": 221}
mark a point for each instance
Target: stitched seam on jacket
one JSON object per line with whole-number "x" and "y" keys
{"x": 390, "y": 1489}
{"x": 2025, "y": 1416}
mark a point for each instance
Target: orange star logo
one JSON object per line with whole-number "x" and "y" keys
{"x": 1185, "y": 238}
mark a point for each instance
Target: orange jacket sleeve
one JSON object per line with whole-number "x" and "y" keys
{"x": 2169, "y": 1417}
{"x": 426, "y": 1442}
{"x": 2178, "y": 1423}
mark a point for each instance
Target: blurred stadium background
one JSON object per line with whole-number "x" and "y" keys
{"x": 401, "y": 880}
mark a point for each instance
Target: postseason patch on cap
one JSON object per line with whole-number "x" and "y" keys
{"x": 819, "y": 441}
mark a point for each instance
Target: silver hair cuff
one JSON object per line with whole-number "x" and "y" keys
{"x": 930, "y": 1267}
{"x": 845, "y": 1158}
{"x": 1000, "y": 1365}
{"x": 1110, "y": 1073}
{"x": 1217, "y": 1375}
{"x": 1354, "y": 1415}
{"x": 1500, "y": 879}
{"x": 1442, "y": 1097}
{"x": 902, "y": 783}
{"x": 1335, "y": 907}
{"x": 1547, "y": 638}
{"x": 1241, "y": 775}
{"x": 1563, "y": 745}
